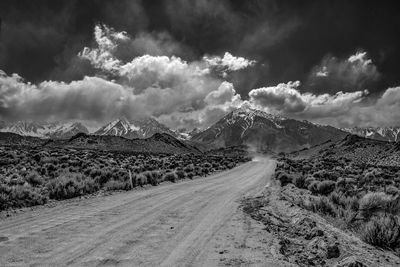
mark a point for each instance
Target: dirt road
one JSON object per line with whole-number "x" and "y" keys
{"x": 190, "y": 223}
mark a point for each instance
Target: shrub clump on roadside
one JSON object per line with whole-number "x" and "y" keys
{"x": 170, "y": 176}
{"x": 116, "y": 185}
{"x": 20, "y": 196}
{"x": 320, "y": 204}
{"x": 71, "y": 185}
{"x": 284, "y": 178}
{"x": 372, "y": 203}
{"x": 326, "y": 187}
{"x": 300, "y": 181}
{"x": 382, "y": 231}
{"x": 153, "y": 177}
{"x": 34, "y": 179}
{"x": 31, "y": 175}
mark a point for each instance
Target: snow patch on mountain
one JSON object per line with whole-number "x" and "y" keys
{"x": 142, "y": 128}
{"x": 391, "y": 134}
{"x": 44, "y": 129}
{"x": 265, "y": 131}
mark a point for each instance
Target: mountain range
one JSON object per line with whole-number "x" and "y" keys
{"x": 55, "y": 130}
{"x": 243, "y": 126}
{"x": 142, "y": 128}
{"x": 157, "y": 143}
{"x": 391, "y": 134}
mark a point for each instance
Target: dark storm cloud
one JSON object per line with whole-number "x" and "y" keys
{"x": 338, "y": 28}
{"x": 354, "y": 73}
{"x": 27, "y": 39}
{"x": 287, "y": 38}
{"x": 40, "y": 39}
{"x": 245, "y": 28}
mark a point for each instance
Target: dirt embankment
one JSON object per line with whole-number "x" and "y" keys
{"x": 303, "y": 238}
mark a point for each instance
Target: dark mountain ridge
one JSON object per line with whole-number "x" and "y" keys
{"x": 158, "y": 143}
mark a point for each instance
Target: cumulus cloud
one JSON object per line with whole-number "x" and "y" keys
{"x": 224, "y": 93}
{"x": 356, "y": 109}
{"x": 116, "y": 48}
{"x": 283, "y": 97}
{"x": 322, "y": 72}
{"x": 165, "y": 72}
{"x": 155, "y": 44}
{"x": 107, "y": 41}
{"x": 342, "y": 109}
{"x": 357, "y": 72}
{"x": 90, "y": 98}
{"x": 382, "y": 111}
{"x": 229, "y": 62}
{"x": 95, "y": 98}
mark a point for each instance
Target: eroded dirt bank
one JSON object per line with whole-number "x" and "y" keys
{"x": 303, "y": 238}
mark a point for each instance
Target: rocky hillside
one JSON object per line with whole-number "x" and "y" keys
{"x": 357, "y": 149}
{"x": 12, "y": 139}
{"x": 265, "y": 131}
{"x": 158, "y": 143}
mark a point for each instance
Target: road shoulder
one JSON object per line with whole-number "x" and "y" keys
{"x": 242, "y": 241}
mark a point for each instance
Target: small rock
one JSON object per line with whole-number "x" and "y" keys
{"x": 223, "y": 251}
{"x": 332, "y": 251}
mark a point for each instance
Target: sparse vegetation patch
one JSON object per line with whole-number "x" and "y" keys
{"x": 33, "y": 176}
{"x": 353, "y": 195}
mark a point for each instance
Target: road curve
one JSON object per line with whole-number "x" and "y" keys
{"x": 168, "y": 225}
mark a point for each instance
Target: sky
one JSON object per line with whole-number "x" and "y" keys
{"x": 187, "y": 63}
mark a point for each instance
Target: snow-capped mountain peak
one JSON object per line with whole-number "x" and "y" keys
{"x": 140, "y": 128}
{"x": 391, "y": 134}
{"x": 44, "y": 129}
{"x": 265, "y": 131}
